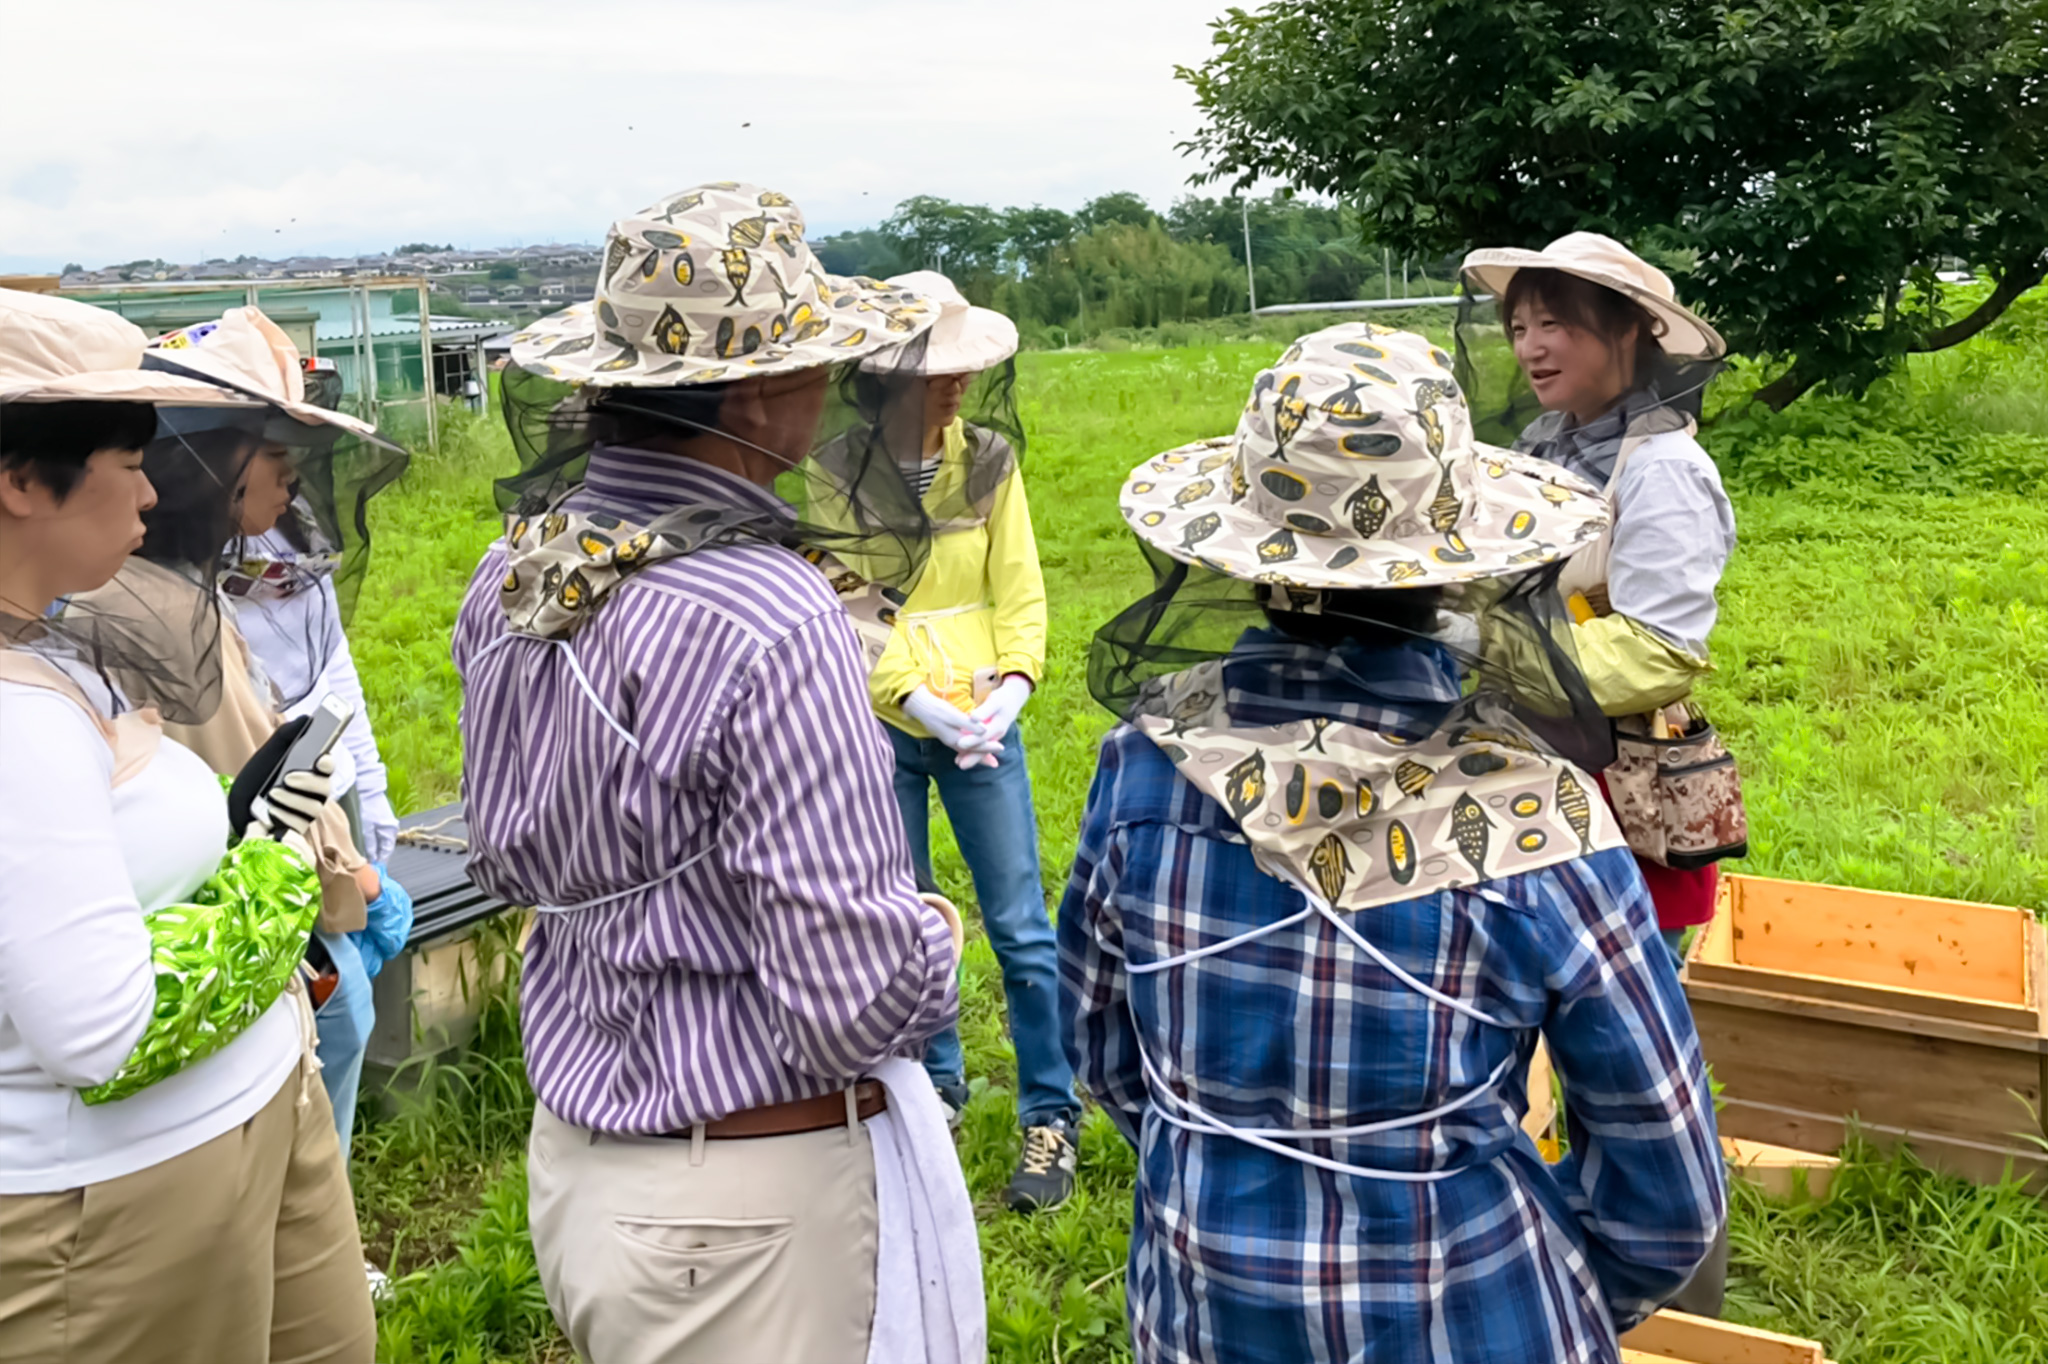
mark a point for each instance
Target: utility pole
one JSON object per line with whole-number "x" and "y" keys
{"x": 1251, "y": 282}
{"x": 1387, "y": 271}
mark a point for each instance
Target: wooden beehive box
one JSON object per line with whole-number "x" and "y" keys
{"x": 1675, "y": 1338}
{"x": 1921, "y": 1018}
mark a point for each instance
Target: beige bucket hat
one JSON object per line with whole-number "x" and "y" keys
{"x": 711, "y": 284}
{"x": 55, "y": 350}
{"x": 248, "y": 353}
{"x": 966, "y": 339}
{"x": 1604, "y": 261}
{"x": 1354, "y": 467}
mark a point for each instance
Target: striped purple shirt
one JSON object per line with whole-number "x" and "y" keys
{"x": 795, "y": 954}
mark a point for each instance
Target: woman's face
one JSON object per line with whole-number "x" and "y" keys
{"x": 943, "y": 394}
{"x": 82, "y": 538}
{"x": 265, "y": 492}
{"x": 1570, "y": 368}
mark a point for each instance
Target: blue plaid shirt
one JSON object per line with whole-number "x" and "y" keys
{"x": 1245, "y": 1256}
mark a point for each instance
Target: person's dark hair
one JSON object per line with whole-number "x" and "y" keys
{"x": 1577, "y": 302}
{"x": 631, "y": 416}
{"x": 53, "y": 441}
{"x": 1376, "y": 617}
{"x": 197, "y": 477}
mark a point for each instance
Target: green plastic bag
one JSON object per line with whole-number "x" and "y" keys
{"x": 221, "y": 961}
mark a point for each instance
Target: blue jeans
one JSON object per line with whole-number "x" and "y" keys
{"x": 990, "y": 809}
{"x": 343, "y": 1026}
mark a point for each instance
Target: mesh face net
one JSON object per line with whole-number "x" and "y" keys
{"x": 1505, "y": 643}
{"x": 1504, "y": 406}
{"x": 845, "y": 492}
{"x": 233, "y": 512}
{"x": 911, "y": 415}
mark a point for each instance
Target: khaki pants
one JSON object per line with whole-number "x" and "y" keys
{"x": 658, "y": 1251}
{"x": 241, "y": 1251}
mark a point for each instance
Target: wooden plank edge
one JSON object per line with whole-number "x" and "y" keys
{"x": 1978, "y": 1161}
{"x": 1856, "y": 1015}
{"x": 1781, "y": 1171}
{"x": 1915, "y": 1003}
{"x": 1703, "y": 1340}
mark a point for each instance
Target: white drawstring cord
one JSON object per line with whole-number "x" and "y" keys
{"x": 692, "y": 860}
{"x": 1165, "y": 1101}
{"x": 582, "y": 679}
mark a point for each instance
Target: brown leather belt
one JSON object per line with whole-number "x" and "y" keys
{"x": 797, "y": 1116}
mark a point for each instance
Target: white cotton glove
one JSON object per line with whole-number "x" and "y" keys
{"x": 380, "y": 827}
{"x": 949, "y": 724}
{"x": 293, "y": 804}
{"x": 996, "y": 714}
{"x": 951, "y": 915}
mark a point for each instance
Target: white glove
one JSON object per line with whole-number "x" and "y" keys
{"x": 952, "y": 918}
{"x": 996, "y": 714}
{"x": 294, "y": 803}
{"x": 380, "y": 827}
{"x": 947, "y": 723}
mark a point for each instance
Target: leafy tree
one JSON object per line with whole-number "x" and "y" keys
{"x": 966, "y": 241}
{"x": 869, "y": 251}
{"x": 1034, "y": 232}
{"x": 72, "y": 268}
{"x": 504, "y": 270}
{"x": 1816, "y": 161}
{"x": 420, "y": 248}
{"x": 1120, "y": 207}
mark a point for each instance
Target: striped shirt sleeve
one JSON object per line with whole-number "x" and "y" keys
{"x": 854, "y": 965}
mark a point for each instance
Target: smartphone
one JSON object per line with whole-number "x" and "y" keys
{"x": 323, "y": 727}
{"x": 296, "y": 746}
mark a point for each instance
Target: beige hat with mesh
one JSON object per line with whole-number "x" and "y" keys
{"x": 1607, "y": 262}
{"x": 55, "y": 350}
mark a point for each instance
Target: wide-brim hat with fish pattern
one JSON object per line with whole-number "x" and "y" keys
{"x": 713, "y": 284}
{"x": 1354, "y": 466}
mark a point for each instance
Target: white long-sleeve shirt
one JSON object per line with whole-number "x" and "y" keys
{"x": 80, "y": 863}
{"x": 292, "y": 636}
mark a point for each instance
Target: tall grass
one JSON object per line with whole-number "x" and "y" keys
{"x": 1881, "y": 668}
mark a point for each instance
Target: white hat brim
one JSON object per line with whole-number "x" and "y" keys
{"x": 1686, "y": 335}
{"x": 565, "y": 345}
{"x": 969, "y": 342}
{"x": 1506, "y": 510}
{"x": 222, "y": 380}
{"x": 124, "y": 386}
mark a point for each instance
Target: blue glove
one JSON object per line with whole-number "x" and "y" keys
{"x": 390, "y": 924}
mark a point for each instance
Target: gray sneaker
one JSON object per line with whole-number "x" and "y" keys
{"x": 953, "y": 1098}
{"x": 1045, "y": 1172}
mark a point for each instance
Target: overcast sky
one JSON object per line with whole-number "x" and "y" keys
{"x": 198, "y": 128}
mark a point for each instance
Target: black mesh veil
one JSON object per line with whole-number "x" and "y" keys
{"x": 848, "y": 495}
{"x": 1503, "y": 405}
{"x": 1504, "y": 644}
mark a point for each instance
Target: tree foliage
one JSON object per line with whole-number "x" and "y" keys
{"x": 1118, "y": 262}
{"x": 1814, "y": 162}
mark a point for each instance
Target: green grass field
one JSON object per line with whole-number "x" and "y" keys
{"x": 1883, "y": 659}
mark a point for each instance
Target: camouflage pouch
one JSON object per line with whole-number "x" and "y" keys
{"x": 1678, "y": 799}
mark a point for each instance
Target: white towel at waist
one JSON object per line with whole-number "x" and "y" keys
{"x": 929, "y": 1307}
